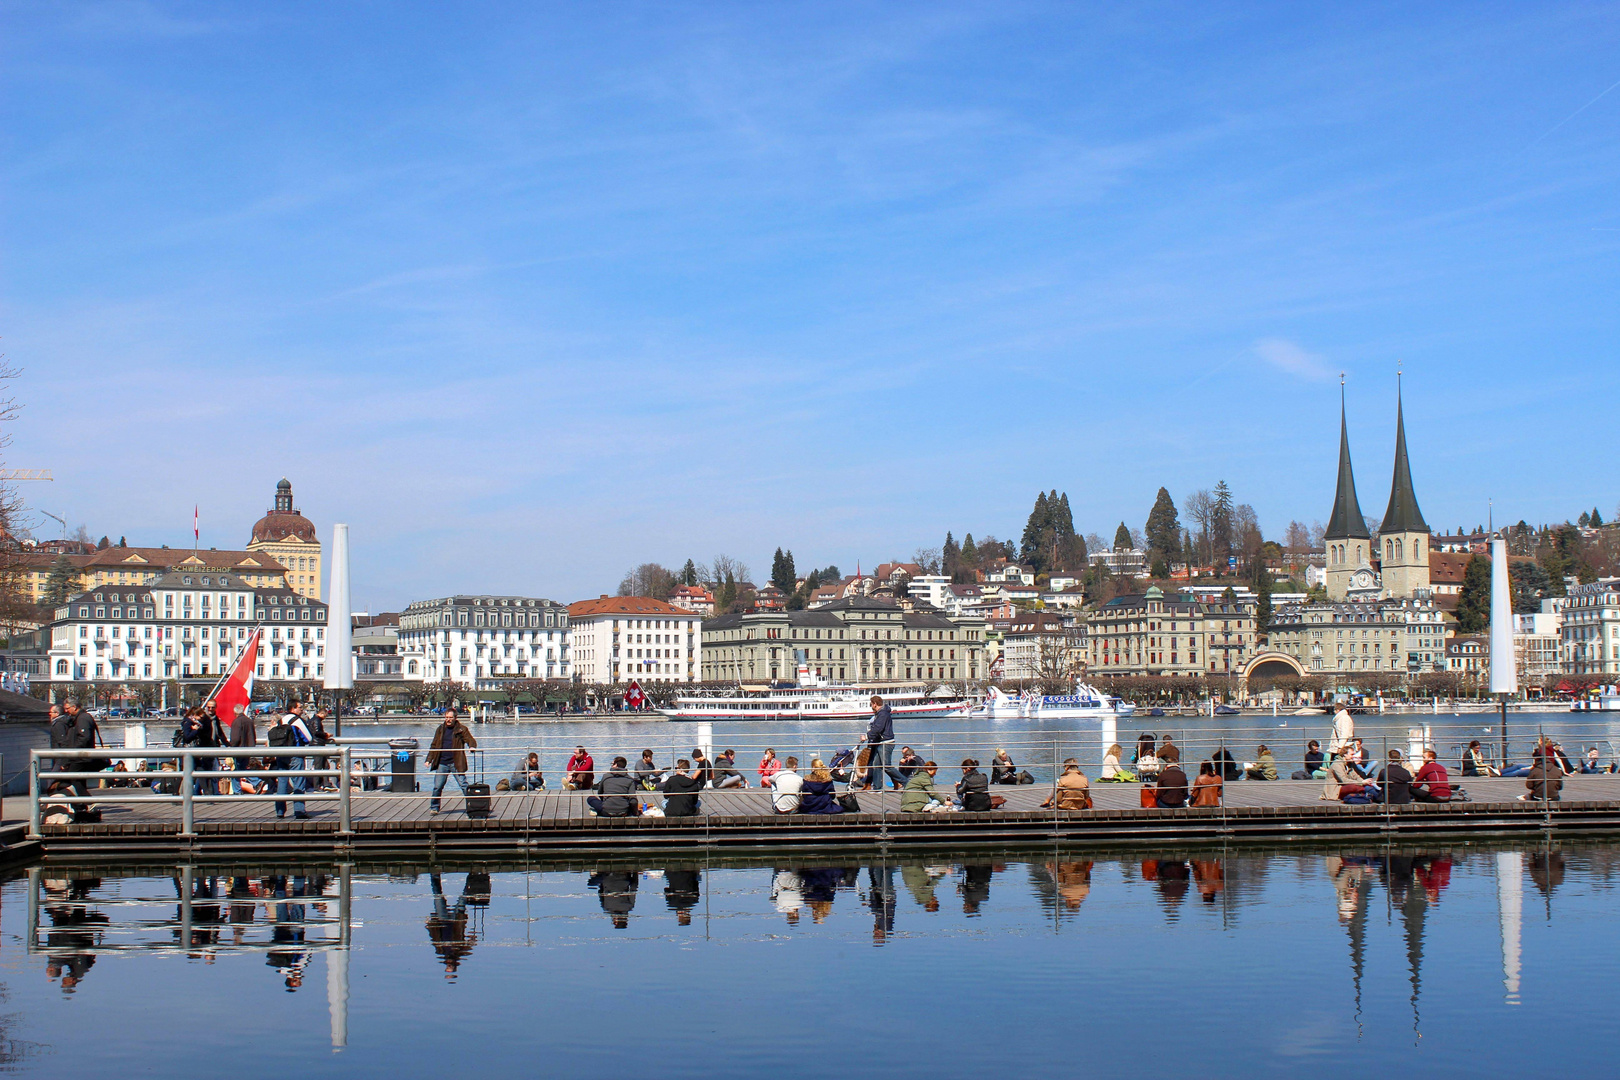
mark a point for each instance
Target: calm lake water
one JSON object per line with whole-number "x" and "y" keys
{"x": 1447, "y": 959}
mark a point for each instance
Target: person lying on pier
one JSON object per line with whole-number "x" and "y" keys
{"x": 768, "y": 767}
{"x": 1112, "y": 771}
{"x": 648, "y": 775}
{"x": 1207, "y": 787}
{"x": 616, "y": 793}
{"x": 527, "y": 776}
{"x": 787, "y": 783}
{"x": 725, "y": 771}
{"x": 1394, "y": 781}
{"x": 580, "y": 771}
{"x": 1073, "y": 789}
{"x": 1431, "y": 784}
{"x": 818, "y": 794}
{"x": 973, "y": 790}
{"x": 1172, "y": 788}
{"x": 1002, "y": 769}
{"x": 1264, "y": 768}
{"x": 919, "y": 795}
{"x": 681, "y": 791}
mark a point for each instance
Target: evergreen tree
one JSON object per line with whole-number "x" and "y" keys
{"x": 1597, "y": 518}
{"x": 970, "y": 553}
{"x": 1260, "y": 582}
{"x": 1030, "y": 545}
{"x": 1122, "y": 538}
{"x": 1527, "y": 584}
{"x": 689, "y": 573}
{"x": 728, "y": 594}
{"x": 1474, "y": 602}
{"x": 783, "y": 576}
{"x": 62, "y": 581}
{"x": 950, "y": 557}
{"x": 1069, "y": 549}
{"x": 1584, "y": 520}
{"x": 1164, "y": 530}
{"x": 1158, "y": 568}
{"x": 1220, "y": 526}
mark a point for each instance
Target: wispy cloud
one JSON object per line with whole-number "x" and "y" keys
{"x": 1286, "y": 356}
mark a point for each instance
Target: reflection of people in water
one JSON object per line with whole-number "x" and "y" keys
{"x": 920, "y": 882}
{"x": 1210, "y": 877}
{"x": 1547, "y": 870}
{"x": 681, "y": 893}
{"x": 787, "y": 893}
{"x": 1173, "y": 880}
{"x": 820, "y": 886}
{"x": 880, "y": 897}
{"x": 205, "y": 917}
{"x": 73, "y": 930}
{"x": 975, "y": 887}
{"x": 447, "y": 928}
{"x": 287, "y": 930}
{"x": 616, "y": 889}
{"x": 1072, "y": 880}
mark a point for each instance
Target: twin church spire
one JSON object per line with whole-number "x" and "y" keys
{"x": 1403, "y": 532}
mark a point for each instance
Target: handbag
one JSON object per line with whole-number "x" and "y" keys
{"x": 997, "y": 802}
{"x": 1150, "y": 798}
{"x": 850, "y": 804}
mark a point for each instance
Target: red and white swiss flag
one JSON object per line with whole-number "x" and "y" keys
{"x": 633, "y": 697}
{"x": 237, "y": 687}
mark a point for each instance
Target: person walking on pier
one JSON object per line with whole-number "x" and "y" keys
{"x": 447, "y": 756}
{"x": 290, "y": 731}
{"x": 880, "y": 737}
{"x": 71, "y": 728}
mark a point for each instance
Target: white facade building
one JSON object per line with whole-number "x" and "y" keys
{"x": 479, "y": 640}
{"x": 619, "y": 638}
{"x": 1591, "y": 631}
{"x": 932, "y": 589}
{"x": 184, "y": 626}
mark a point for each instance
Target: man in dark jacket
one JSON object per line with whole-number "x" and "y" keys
{"x": 880, "y": 737}
{"x": 1172, "y": 789}
{"x": 72, "y": 728}
{"x": 1394, "y": 782}
{"x": 446, "y": 757}
{"x": 680, "y": 791}
{"x": 616, "y": 793}
{"x": 1545, "y": 780}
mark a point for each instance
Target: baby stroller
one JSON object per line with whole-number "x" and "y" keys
{"x": 849, "y": 767}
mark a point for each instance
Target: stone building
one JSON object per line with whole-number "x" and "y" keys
{"x": 289, "y": 537}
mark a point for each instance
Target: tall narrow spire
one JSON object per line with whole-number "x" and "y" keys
{"x": 1347, "y": 522}
{"x": 1403, "y": 515}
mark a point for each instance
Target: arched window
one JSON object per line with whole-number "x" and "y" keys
{"x": 1389, "y": 550}
{"x": 61, "y": 667}
{"x": 1399, "y": 555}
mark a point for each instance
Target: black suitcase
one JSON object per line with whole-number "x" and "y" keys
{"x": 478, "y": 797}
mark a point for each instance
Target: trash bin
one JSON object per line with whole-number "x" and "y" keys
{"x": 402, "y": 764}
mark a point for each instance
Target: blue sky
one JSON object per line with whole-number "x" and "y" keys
{"x": 530, "y": 294}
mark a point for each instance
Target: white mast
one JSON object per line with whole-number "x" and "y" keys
{"x": 339, "y": 636}
{"x": 1504, "y": 671}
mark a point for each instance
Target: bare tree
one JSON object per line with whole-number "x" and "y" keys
{"x": 1199, "y": 508}
{"x": 649, "y": 579}
{"x": 1246, "y": 534}
{"x": 1298, "y": 540}
{"x": 928, "y": 558}
{"x": 723, "y": 565}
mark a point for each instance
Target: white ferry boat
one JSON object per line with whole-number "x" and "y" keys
{"x": 814, "y": 699}
{"x": 1086, "y": 703}
{"x": 1603, "y": 699}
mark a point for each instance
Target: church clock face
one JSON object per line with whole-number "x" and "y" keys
{"x": 1364, "y": 579}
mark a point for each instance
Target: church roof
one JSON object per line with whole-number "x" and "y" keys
{"x": 1347, "y": 522}
{"x": 1403, "y": 515}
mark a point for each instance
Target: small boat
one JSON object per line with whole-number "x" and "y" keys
{"x": 1155, "y": 712}
{"x": 1086, "y": 703}
{"x": 1226, "y": 710}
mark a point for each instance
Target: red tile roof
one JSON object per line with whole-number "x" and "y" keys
{"x": 623, "y": 605}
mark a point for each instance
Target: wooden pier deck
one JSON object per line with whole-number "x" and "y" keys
{"x": 561, "y": 822}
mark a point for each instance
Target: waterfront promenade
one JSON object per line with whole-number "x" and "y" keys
{"x": 560, "y": 821}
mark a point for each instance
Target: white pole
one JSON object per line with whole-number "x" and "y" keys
{"x": 1509, "y": 908}
{"x": 339, "y": 635}
{"x": 1504, "y": 672}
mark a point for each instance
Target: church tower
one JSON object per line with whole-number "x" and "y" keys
{"x": 1404, "y": 535}
{"x": 1349, "y": 545}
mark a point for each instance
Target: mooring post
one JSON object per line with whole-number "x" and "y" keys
{"x": 33, "y": 794}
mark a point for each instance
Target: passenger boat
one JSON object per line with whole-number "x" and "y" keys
{"x": 1603, "y": 699}
{"x": 815, "y": 699}
{"x": 1086, "y": 703}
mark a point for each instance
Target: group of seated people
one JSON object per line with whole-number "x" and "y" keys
{"x": 1351, "y": 782}
{"x": 1151, "y": 760}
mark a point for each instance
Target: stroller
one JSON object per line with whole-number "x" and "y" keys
{"x": 849, "y": 767}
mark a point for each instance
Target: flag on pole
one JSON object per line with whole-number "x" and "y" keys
{"x": 633, "y": 697}
{"x": 196, "y": 528}
{"x": 237, "y": 687}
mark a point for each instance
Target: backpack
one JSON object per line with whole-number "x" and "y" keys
{"x": 283, "y": 734}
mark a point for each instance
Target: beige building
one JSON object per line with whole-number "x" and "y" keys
{"x": 856, "y": 639}
{"x": 144, "y": 565}
{"x": 1389, "y": 636}
{"x": 289, "y": 537}
{"x": 1592, "y": 628}
{"x": 1150, "y": 634}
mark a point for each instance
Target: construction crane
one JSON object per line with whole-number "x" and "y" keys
{"x": 56, "y": 519}
{"x": 18, "y": 476}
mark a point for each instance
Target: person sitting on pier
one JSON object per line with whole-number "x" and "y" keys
{"x": 1265, "y": 768}
{"x": 1171, "y": 792}
{"x": 580, "y": 772}
{"x": 973, "y": 790}
{"x": 725, "y": 771}
{"x": 616, "y": 793}
{"x": 909, "y": 763}
{"x": 919, "y": 796}
{"x": 1474, "y": 763}
{"x": 648, "y": 775}
{"x": 1169, "y": 752}
{"x": 1394, "y": 782}
{"x": 1342, "y": 779}
{"x": 1002, "y": 769}
{"x": 1592, "y": 763}
{"x": 1226, "y": 766}
{"x": 702, "y": 767}
{"x": 1431, "y": 784}
{"x": 1112, "y": 771}
{"x": 1358, "y": 759}
{"x": 768, "y": 767}
{"x": 681, "y": 791}
{"x": 1207, "y": 788}
{"x": 787, "y": 784}
{"x": 527, "y": 776}
{"x": 1545, "y": 780}
{"x": 1073, "y": 790}
{"x": 1313, "y": 763}
{"x": 818, "y": 792}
